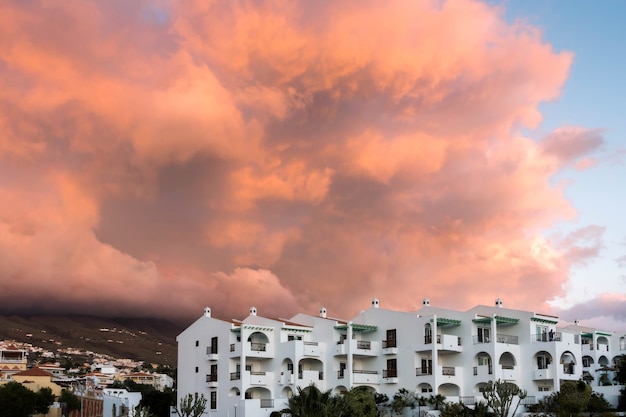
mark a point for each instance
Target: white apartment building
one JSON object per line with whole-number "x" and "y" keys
{"x": 250, "y": 367}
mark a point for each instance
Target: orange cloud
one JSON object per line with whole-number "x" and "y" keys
{"x": 240, "y": 153}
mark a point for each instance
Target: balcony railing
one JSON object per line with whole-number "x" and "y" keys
{"x": 507, "y": 338}
{"x": 257, "y": 347}
{"x": 232, "y": 347}
{"x": 340, "y": 374}
{"x": 390, "y": 373}
{"x": 362, "y": 371}
{"x": 267, "y": 403}
{"x": 311, "y": 343}
{"x": 423, "y": 371}
{"x": 547, "y": 337}
{"x": 467, "y": 399}
{"x": 568, "y": 368}
{"x": 363, "y": 344}
{"x": 211, "y": 378}
{"x": 489, "y": 369}
{"x": 211, "y": 350}
{"x": 391, "y": 343}
{"x": 447, "y": 370}
{"x": 320, "y": 375}
{"x": 257, "y": 373}
{"x": 235, "y": 376}
{"x": 481, "y": 339}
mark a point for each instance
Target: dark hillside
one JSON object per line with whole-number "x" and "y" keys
{"x": 145, "y": 339}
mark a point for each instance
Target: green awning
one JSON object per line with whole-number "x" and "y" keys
{"x": 604, "y": 334}
{"x": 542, "y": 320}
{"x": 358, "y": 327}
{"x": 441, "y": 321}
{"x": 506, "y": 320}
{"x": 482, "y": 320}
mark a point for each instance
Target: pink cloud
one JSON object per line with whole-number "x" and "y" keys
{"x": 279, "y": 155}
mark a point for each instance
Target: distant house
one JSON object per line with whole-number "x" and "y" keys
{"x": 12, "y": 361}
{"x": 35, "y": 379}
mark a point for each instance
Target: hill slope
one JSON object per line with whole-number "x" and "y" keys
{"x": 145, "y": 339}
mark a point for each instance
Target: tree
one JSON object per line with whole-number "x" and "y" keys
{"x": 500, "y": 396}
{"x": 191, "y": 406}
{"x": 360, "y": 402}
{"x": 572, "y": 398}
{"x": 158, "y": 402}
{"x": 402, "y": 399}
{"x": 309, "y": 402}
{"x": 381, "y": 401}
{"x": 16, "y": 400}
{"x": 620, "y": 365}
{"x": 71, "y": 401}
{"x": 437, "y": 401}
{"x": 43, "y": 400}
{"x": 597, "y": 403}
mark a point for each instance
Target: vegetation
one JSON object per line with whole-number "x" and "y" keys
{"x": 500, "y": 396}
{"x": 402, "y": 399}
{"x": 361, "y": 402}
{"x": 71, "y": 401}
{"x": 18, "y": 401}
{"x": 191, "y": 406}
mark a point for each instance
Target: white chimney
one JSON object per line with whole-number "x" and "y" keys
{"x": 323, "y": 312}
{"x": 253, "y": 311}
{"x": 375, "y": 303}
{"x": 425, "y": 302}
{"x": 499, "y": 302}
{"x": 207, "y": 312}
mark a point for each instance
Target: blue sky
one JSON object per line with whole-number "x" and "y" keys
{"x": 593, "y": 98}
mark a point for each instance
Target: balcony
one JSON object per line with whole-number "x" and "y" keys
{"x": 365, "y": 347}
{"x": 211, "y": 353}
{"x": 508, "y": 373}
{"x": 211, "y": 380}
{"x": 544, "y": 373}
{"x": 390, "y": 347}
{"x": 267, "y": 403}
{"x": 449, "y": 342}
{"x": 259, "y": 350}
{"x": 235, "y": 376}
{"x": 483, "y": 372}
{"x": 258, "y": 377}
{"x": 309, "y": 377}
{"x": 340, "y": 348}
{"x": 311, "y": 349}
{"x": 360, "y": 376}
{"x": 547, "y": 337}
{"x": 286, "y": 378}
{"x": 235, "y": 349}
{"x": 390, "y": 376}
{"x": 507, "y": 338}
{"x": 450, "y": 372}
{"x": 568, "y": 372}
{"x": 422, "y": 371}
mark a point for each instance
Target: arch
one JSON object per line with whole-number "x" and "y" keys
{"x": 286, "y": 365}
{"x": 507, "y": 360}
{"x": 588, "y": 361}
{"x": 568, "y": 360}
{"x": 483, "y": 365}
{"x": 258, "y": 393}
{"x": 424, "y": 388}
{"x": 340, "y": 390}
{"x": 622, "y": 343}
{"x": 603, "y": 361}
{"x": 258, "y": 337}
{"x": 478, "y": 388}
{"x": 602, "y": 341}
{"x": 286, "y": 392}
{"x": 543, "y": 359}
{"x": 234, "y": 392}
{"x": 449, "y": 390}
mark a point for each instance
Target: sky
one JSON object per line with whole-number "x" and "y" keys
{"x": 157, "y": 157}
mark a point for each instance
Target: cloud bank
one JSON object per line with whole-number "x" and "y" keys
{"x": 157, "y": 157}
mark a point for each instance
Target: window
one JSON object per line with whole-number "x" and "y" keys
{"x": 428, "y": 333}
{"x": 197, "y": 343}
{"x": 213, "y": 400}
{"x": 484, "y": 334}
{"x": 391, "y": 339}
{"x": 196, "y": 369}
{"x": 214, "y": 345}
{"x": 542, "y": 333}
{"x": 293, "y": 337}
{"x": 290, "y": 367}
{"x": 543, "y": 361}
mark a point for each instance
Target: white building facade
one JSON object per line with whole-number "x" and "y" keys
{"x": 250, "y": 367}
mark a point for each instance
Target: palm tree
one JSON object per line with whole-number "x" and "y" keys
{"x": 309, "y": 402}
